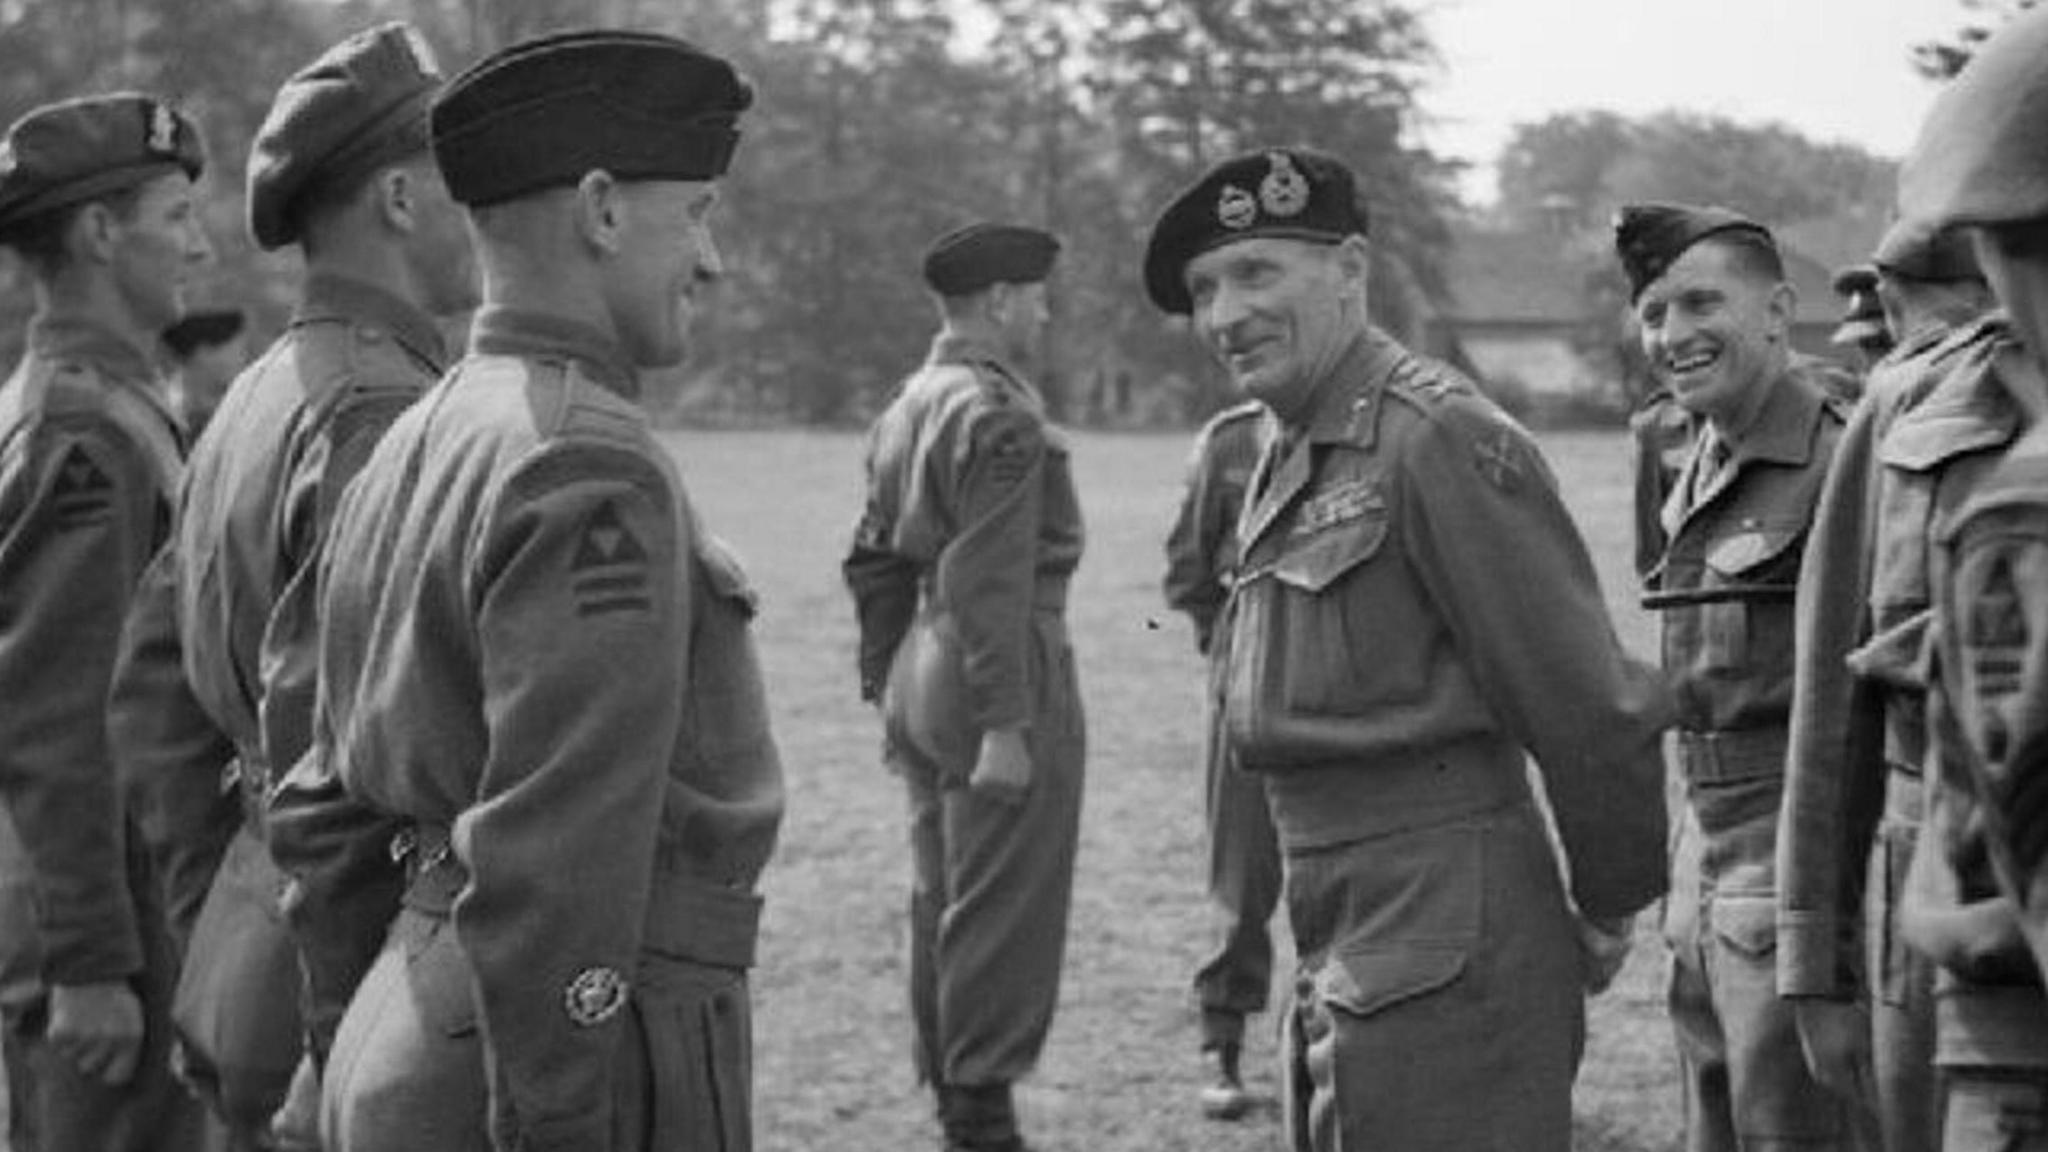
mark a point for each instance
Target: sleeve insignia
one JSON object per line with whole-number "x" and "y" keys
{"x": 609, "y": 573}
{"x": 594, "y": 996}
{"x": 1498, "y": 456}
{"x": 83, "y": 494}
{"x": 1995, "y": 634}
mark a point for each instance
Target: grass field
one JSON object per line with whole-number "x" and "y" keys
{"x": 832, "y": 1064}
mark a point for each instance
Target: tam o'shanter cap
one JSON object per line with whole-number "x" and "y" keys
{"x": 1649, "y": 238}
{"x": 76, "y": 150}
{"x": 1979, "y": 158}
{"x": 545, "y": 112}
{"x": 1913, "y": 250}
{"x": 967, "y": 260}
{"x": 361, "y": 104}
{"x": 1291, "y": 193}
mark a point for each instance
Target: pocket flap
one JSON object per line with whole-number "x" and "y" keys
{"x": 1748, "y": 924}
{"x": 1753, "y": 546}
{"x": 1363, "y": 981}
{"x": 1313, "y": 563}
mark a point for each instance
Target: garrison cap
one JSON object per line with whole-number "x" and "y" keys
{"x": 969, "y": 259}
{"x": 1979, "y": 157}
{"x": 1293, "y": 193}
{"x": 544, "y": 112}
{"x": 1913, "y": 250}
{"x": 360, "y": 105}
{"x": 209, "y": 328}
{"x": 1649, "y": 238}
{"x": 80, "y": 149}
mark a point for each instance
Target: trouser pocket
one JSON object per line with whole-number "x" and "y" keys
{"x": 696, "y": 1037}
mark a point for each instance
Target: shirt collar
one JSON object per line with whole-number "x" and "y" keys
{"x": 951, "y": 346}
{"x": 71, "y": 336}
{"x": 333, "y": 297}
{"x": 501, "y": 331}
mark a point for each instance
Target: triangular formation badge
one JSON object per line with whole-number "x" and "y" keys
{"x": 607, "y": 542}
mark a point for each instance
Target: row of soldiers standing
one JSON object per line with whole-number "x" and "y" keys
{"x": 1853, "y": 597}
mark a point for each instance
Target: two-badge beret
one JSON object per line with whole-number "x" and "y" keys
{"x": 361, "y": 104}
{"x": 1917, "y": 252}
{"x": 1649, "y": 238}
{"x": 1979, "y": 157}
{"x": 969, "y": 259}
{"x": 76, "y": 150}
{"x": 1292, "y": 193}
{"x": 545, "y": 112}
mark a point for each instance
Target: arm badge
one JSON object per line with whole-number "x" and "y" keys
{"x": 594, "y": 996}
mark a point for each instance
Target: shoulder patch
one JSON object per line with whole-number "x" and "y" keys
{"x": 1501, "y": 458}
{"x": 82, "y": 494}
{"x": 609, "y": 572}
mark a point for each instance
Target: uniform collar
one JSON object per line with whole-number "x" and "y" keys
{"x": 332, "y": 297}
{"x": 1781, "y": 432}
{"x": 952, "y": 346}
{"x": 71, "y": 336}
{"x": 1348, "y": 407}
{"x": 501, "y": 331}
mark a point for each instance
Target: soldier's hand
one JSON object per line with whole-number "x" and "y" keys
{"x": 1002, "y": 769}
{"x": 1603, "y": 947}
{"x": 296, "y": 1126}
{"x": 97, "y": 1027}
{"x": 1835, "y": 1036}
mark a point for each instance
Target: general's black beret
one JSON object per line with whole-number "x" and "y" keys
{"x": 80, "y": 149}
{"x": 545, "y": 112}
{"x": 1649, "y": 238}
{"x": 967, "y": 260}
{"x": 1912, "y": 249}
{"x": 1979, "y": 158}
{"x": 362, "y": 104}
{"x": 203, "y": 329}
{"x": 1295, "y": 193}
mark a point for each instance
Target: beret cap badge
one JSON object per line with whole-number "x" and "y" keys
{"x": 163, "y": 130}
{"x": 1284, "y": 192}
{"x": 1235, "y": 208}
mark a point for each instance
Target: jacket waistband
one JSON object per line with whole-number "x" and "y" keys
{"x": 1324, "y": 805}
{"x": 1728, "y": 757}
{"x": 1048, "y": 593}
{"x": 688, "y": 919}
{"x": 1990, "y": 1025}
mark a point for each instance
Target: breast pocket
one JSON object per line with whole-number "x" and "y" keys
{"x": 1759, "y": 564}
{"x": 1326, "y": 646}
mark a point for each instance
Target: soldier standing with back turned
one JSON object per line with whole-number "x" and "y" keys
{"x": 959, "y": 573}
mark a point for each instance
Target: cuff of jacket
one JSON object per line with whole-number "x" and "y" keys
{"x": 1814, "y": 957}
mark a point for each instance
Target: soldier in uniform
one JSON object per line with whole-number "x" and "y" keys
{"x": 1715, "y": 315}
{"x": 1244, "y": 858}
{"x": 96, "y": 197}
{"x": 1863, "y": 327}
{"x": 224, "y": 631}
{"x": 1387, "y": 684}
{"x": 1853, "y": 793}
{"x": 207, "y": 350}
{"x": 533, "y": 655}
{"x": 959, "y": 571}
{"x": 1973, "y": 894}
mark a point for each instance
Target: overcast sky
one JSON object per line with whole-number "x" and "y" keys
{"x": 1833, "y": 69}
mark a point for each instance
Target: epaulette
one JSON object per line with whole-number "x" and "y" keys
{"x": 1427, "y": 384}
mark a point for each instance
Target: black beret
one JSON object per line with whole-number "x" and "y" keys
{"x": 545, "y": 112}
{"x": 80, "y": 149}
{"x": 205, "y": 329}
{"x": 1649, "y": 238}
{"x": 1979, "y": 157}
{"x": 1295, "y": 193}
{"x": 1913, "y": 250}
{"x": 362, "y": 104}
{"x": 967, "y": 260}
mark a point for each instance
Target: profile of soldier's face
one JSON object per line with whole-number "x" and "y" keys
{"x": 1278, "y": 313}
{"x": 667, "y": 258}
{"x": 158, "y": 244}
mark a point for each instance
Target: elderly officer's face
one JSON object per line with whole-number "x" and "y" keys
{"x": 1713, "y": 329}
{"x": 1278, "y": 313}
{"x": 158, "y": 244}
{"x": 668, "y": 258}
